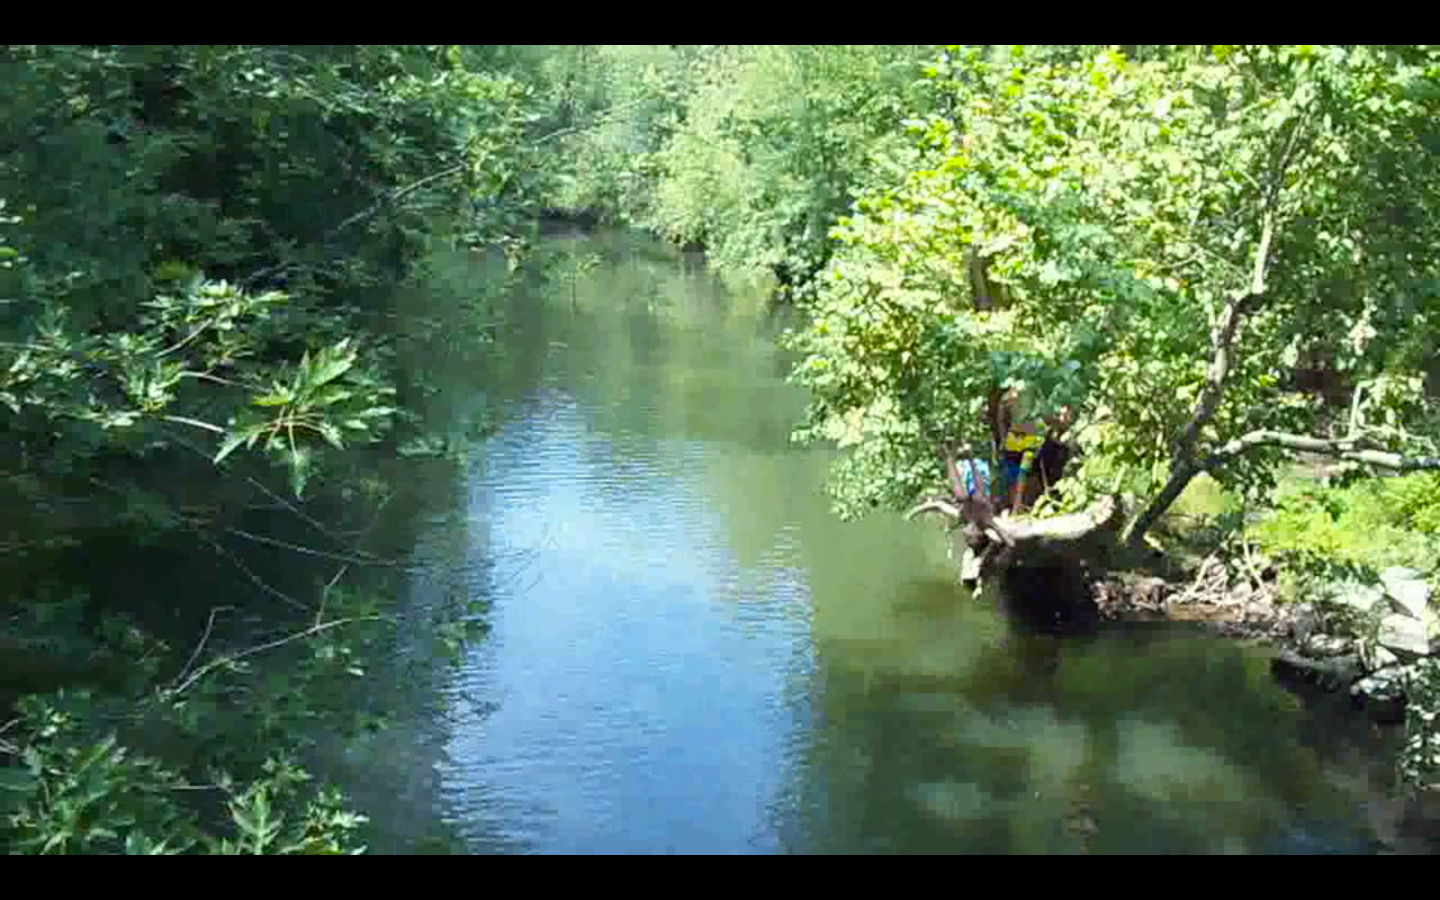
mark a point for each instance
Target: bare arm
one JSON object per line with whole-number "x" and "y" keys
{"x": 947, "y": 453}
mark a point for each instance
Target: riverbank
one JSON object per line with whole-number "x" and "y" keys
{"x": 1367, "y": 645}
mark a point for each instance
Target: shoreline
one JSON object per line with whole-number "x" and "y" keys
{"x": 1308, "y": 658}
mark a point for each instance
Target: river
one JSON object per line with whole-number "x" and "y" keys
{"x": 690, "y": 654}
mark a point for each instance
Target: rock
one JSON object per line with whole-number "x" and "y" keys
{"x": 1382, "y": 694}
{"x": 1405, "y": 635}
{"x": 1303, "y": 622}
{"x": 1401, "y": 602}
{"x": 970, "y": 568}
{"x": 1409, "y": 590}
{"x": 1334, "y": 673}
{"x": 1323, "y": 645}
{"x": 1376, "y": 656}
{"x": 1362, "y": 598}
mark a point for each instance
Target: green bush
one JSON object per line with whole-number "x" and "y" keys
{"x": 1375, "y": 523}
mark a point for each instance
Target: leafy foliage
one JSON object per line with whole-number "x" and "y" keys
{"x": 1419, "y": 762}
{"x": 1376, "y": 523}
{"x": 202, "y": 250}
{"x": 1124, "y": 206}
{"x": 750, "y": 151}
{"x": 76, "y": 796}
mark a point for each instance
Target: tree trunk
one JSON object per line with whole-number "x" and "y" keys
{"x": 1086, "y": 539}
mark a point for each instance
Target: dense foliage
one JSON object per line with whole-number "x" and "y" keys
{"x": 207, "y": 263}
{"x": 202, "y": 249}
{"x": 1172, "y": 236}
{"x": 753, "y": 152}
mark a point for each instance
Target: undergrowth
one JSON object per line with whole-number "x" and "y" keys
{"x": 1319, "y": 533}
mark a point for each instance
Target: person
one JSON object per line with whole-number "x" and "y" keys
{"x": 1035, "y": 462}
{"x": 1053, "y": 455}
{"x": 1018, "y": 456}
{"x": 973, "y": 496}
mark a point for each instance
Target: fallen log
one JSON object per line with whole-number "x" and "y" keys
{"x": 1086, "y": 538}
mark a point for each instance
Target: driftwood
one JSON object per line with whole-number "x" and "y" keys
{"x": 1081, "y": 538}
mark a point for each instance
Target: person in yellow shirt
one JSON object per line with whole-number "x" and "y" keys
{"x": 1022, "y": 442}
{"x": 1024, "y": 447}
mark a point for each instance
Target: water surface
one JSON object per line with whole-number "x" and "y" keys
{"x": 691, "y": 654}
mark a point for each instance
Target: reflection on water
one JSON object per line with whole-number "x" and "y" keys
{"x": 691, "y": 654}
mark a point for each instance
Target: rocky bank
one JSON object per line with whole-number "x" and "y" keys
{"x": 1377, "y": 642}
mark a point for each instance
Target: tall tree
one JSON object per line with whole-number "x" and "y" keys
{"x": 1174, "y": 234}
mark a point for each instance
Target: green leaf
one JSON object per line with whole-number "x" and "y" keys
{"x": 232, "y": 443}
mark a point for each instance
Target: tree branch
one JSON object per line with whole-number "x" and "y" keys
{"x": 395, "y": 197}
{"x": 571, "y": 129}
{"x": 195, "y": 423}
{"x": 1209, "y": 399}
{"x": 1183, "y": 466}
{"x": 209, "y": 625}
{"x": 399, "y": 194}
{"x": 271, "y": 645}
{"x": 256, "y": 579}
{"x": 1340, "y": 448}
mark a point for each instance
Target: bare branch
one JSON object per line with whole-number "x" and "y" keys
{"x": 1209, "y": 399}
{"x": 271, "y": 645}
{"x": 7, "y": 746}
{"x": 210, "y": 624}
{"x": 572, "y": 129}
{"x": 934, "y": 504}
{"x": 1262, "y": 254}
{"x": 1183, "y": 466}
{"x": 187, "y": 339}
{"x": 399, "y": 194}
{"x": 325, "y": 594}
{"x": 1340, "y": 448}
{"x": 257, "y": 580}
{"x": 396, "y": 196}
{"x": 195, "y": 423}
{"x": 215, "y": 379}
{"x": 311, "y": 551}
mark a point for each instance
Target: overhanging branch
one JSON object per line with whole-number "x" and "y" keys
{"x": 1339, "y": 448}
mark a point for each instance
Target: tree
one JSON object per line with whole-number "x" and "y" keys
{"x": 200, "y": 255}
{"x": 1173, "y": 235}
{"x": 776, "y": 140}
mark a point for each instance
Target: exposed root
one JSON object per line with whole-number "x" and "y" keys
{"x": 1247, "y": 606}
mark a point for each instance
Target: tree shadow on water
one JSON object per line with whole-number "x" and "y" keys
{"x": 1048, "y": 601}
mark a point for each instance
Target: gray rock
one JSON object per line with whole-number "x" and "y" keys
{"x": 1332, "y": 673}
{"x": 1382, "y": 694}
{"x": 1405, "y": 635}
{"x": 1377, "y": 656}
{"x": 1401, "y": 604}
{"x": 1408, "y": 589}
{"x": 1304, "y": 622}
{"x": 1324, "y": 645}
{"x": 1362, "y": 598}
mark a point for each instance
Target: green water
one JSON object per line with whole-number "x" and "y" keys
{"x": 690, "y": 654}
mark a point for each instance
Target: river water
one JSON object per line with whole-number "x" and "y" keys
{"x": 690, "y": 654}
